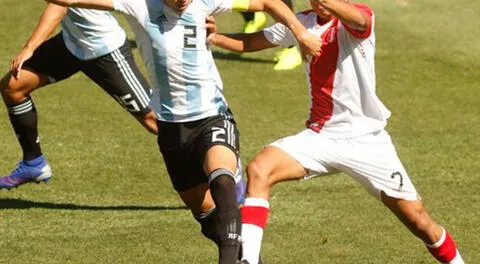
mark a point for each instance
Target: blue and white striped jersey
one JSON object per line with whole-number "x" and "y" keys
{"x": 188, "y": 85}
{"x": 89, "y": 34}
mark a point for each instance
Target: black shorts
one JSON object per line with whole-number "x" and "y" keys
{"x": 184, "y": 145}
{"x": 115, "y": 72}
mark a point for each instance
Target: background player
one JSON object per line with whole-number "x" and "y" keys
{"x": 287, "y": 58}
{"x": 92, "y": 42}
{"x": 197, "y": 133}
{"x": 345, "y": 129}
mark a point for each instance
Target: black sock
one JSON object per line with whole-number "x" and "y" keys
{"x": 23, "y": 117}
{"x": 248, "y": 16}
{"x": 228, "y": 224}
{"x": 207, "y": 222}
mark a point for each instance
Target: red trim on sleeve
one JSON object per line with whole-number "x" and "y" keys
{"x": 368, "y": 31}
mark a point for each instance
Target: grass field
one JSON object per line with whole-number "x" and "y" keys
{"x": 111, "y": 201}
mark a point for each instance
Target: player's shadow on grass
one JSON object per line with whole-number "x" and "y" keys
{"x": 25, "y": 204}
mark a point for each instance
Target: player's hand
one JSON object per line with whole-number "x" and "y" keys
{"x": 310, "y": 45}
{"x": 211, "y": 29}
{"x": 17, "y": 62}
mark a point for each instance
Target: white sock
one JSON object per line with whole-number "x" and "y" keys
{"x": 254, "y": 217}
{"x": 458, "y": 259}
{"x": 251, "y": 242}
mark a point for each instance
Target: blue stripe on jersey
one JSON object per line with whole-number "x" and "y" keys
{"x": 78, "y": 19}
{"x": 90, "y": 34}
{"x": 156, "y": 31}
{"x": 70, "y": 29}
{"x": 83, "y": 27}
{"x": 194, "y": 95}
{"x": 190, "y": 64}
{"x": 67, "y": 37}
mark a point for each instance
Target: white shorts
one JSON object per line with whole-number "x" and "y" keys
{"x": 370, "y": 159}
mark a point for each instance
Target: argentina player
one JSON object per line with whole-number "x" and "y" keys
{"x": 91, "y": 41}
{"x": 197, "y": 135}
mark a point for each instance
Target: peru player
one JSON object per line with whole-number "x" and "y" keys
{"x": 345, "y": 128}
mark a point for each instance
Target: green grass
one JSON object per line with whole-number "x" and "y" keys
{"x": 111, "y": 201}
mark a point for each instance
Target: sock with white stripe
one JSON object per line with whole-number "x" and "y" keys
{"x": 254, "y": 219}
{"x": 445, "y": 251}
{"x": 23, "y": 117}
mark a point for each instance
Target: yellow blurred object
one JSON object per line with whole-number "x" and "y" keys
{"x": 288, "y": 59}
{"x": 258, "y": 22}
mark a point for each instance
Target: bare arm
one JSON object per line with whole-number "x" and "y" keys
{"x": 347, "y": 13}
{"x": 51, "y": 17}
{"x": 236, "y": 42}
{"x": 308, "y": 43}
{"x": 93, "y": 4}
{"x": 242, "y": 42}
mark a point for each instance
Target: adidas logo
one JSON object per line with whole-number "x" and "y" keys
{"x": 162, "y": 18}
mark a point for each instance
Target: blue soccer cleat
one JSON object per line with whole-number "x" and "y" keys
{"x": 240, "y": 189}
{"x": 36, "y": 170}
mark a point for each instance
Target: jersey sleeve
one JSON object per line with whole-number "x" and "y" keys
{"x": 222, "y": 6}
{"x": 368, "y": 31}
{"x": 134, "y": 8}
{"x": 279, "y": 34}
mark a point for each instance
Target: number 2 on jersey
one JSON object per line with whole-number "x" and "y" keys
{"x": 190, "y": 37}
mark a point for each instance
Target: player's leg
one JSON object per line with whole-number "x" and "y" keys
{"x": 50, "y": 62}
{"x": 254, "y": 21}
{"x": 220, "y": 165}
{"x": 187, "y": 151}
{"x": 268, "y": 167}
{"x": 21, "y": 109}
{"x": 300, "y": 156}
{"x": 186, "y": 175}
{"x": 373, "y": 161}
{"x": 416, "y": 218}
{"x": 118, "y": 74}
{"x": 220, "y": 150}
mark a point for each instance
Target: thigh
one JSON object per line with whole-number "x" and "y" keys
{"x": 373, "y": 162}
{"x": 183, "y": 165}
{"x": 16, "y": 90}
{"x": 270, "y": 166}
{"x": 311, "y": 151}
{"x": 218, "y": 144}
{"x": 53, "y": 59}
{"x": 120, "y": 77}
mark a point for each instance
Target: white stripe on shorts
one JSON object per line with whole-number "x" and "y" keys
{"x": 130, "y": 78}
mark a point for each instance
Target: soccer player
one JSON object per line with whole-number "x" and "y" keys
{"x": 198, "y": 137}
{"x": 92, "y": 42}
{"x": 287, "y": 58}
{"x": 344, "y": 131}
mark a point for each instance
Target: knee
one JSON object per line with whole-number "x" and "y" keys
{"x": 11, "y": 89}
{"x": 258, "y": 174}
{"x": 5, "y": 84}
